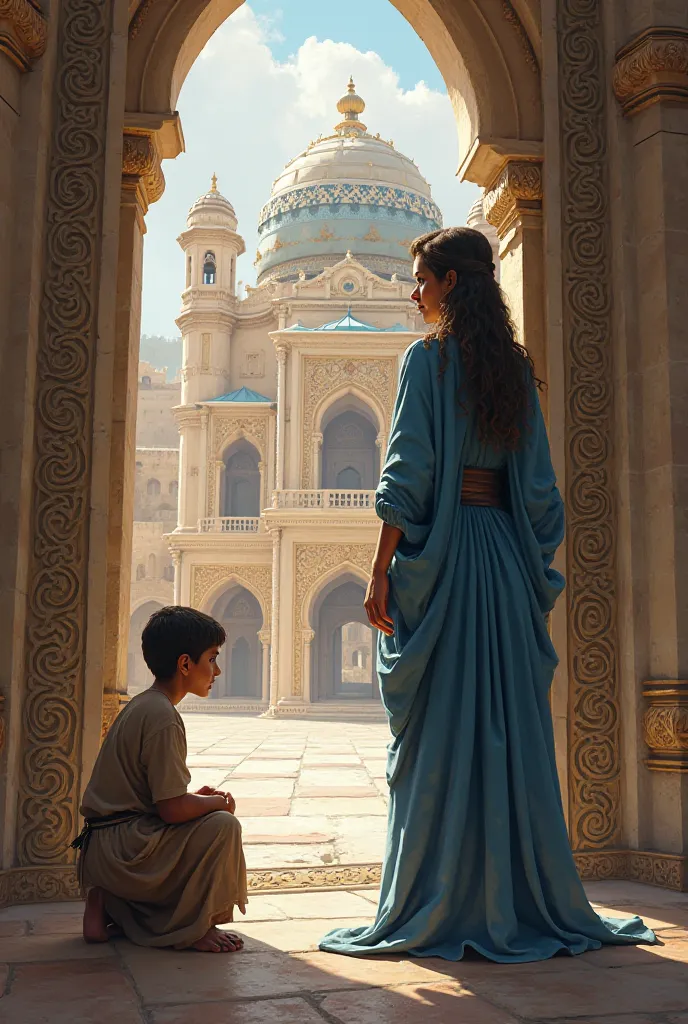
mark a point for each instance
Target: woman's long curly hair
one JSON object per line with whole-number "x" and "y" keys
{"x": 499, "y": 372}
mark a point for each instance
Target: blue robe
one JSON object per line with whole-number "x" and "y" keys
{"x": 477, "y": 849}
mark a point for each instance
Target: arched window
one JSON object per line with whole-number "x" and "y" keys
{"x": 209, "y": 268}
{"x": 140, "y": 572}
{"x": 188, "y": 272}
{"x": 153, "y": 487}
{"x": 145, "y": 382}
{"x": 168, "y": 572}
{"x": 174, "y": 488}
{"x": 349, "y": 478}
{"x": 241, "y": 483}
{"x": 152, "y": 566}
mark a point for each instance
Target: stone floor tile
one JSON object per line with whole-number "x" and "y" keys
{"x": 657, "y": 918}
{"x": 330, "y": 905}
{"x": 243, "y": 788}
{"x": 264, "y": 777}
{"x": 339, "y": 792}
{"x": 57, "y": 924}
{"x": 638, "y": 956}
{"x": 372, "y": 895}
{"x": 285, "y": 855}
{"x": 619, "y": 893}
{"x": 264, "y": 1011}
{"x": 261, "y": 908}
{"x": 414, "y": 1004}
{"x": 334, "y": 777}
{"x": 12, "y": 929}
{"x": 291, "y": 936}
{"x": 32, "y": 911}
{"x": 256, "y": 766}
{"x": 288, "y": 839}
{"x": 257, "y": 807}
{"x": 92, "y": 992}
{"x": 656, "y": 990}
{"x": 40, "y": 948}
{"x": 335, "y": 807}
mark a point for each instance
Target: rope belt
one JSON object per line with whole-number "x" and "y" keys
{"x": 483, "y": 487}
{"x": 92, "y": 825}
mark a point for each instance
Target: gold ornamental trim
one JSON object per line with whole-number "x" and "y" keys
{"x": 23, "y": 32}
{"x": 651, "y": 68}
{"x": 666, "y": 870}
{"x": 516, "y": 192}
{"x": 665, "y": 724}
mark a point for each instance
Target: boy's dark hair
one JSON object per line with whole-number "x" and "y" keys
{"x": 174, "y": 631}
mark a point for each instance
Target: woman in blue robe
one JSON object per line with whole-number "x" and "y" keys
{"x": 477, "y": 849}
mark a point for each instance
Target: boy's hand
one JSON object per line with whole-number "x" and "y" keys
{"x": 209, "y": 791}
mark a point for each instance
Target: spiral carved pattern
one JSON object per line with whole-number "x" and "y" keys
{"x": 53, "y": 701}
{"x": 594, "y": 751}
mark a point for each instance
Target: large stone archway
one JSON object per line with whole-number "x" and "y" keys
{"x": 529, "y": 81}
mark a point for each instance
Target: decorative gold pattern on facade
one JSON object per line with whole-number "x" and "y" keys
{"x": 313, "y": 562}
{"x": 594, "y": 745}
{"x": 141, "y": 164}
{"x": 512, "y": 17}
{"x": 665, "y": 724}
{"x": 324, "y": 376}
{"x": 335, "y": 876}
{"x": 23, "y": 32}
{"x": 253, "y": 428}
{"x": 517, "y": 191}
{"x": 651, "y": 68}
{"x": 38, "y": 885}
{"x": 256, "y": 578}
{"x": 53, "y": 699}
{"x": 112, "y": 705}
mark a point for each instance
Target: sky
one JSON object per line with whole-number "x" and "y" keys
{"x": 265, "y": 85}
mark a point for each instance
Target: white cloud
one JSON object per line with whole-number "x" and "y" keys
{"x": 245, "y": 114}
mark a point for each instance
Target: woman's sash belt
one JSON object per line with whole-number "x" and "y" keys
{"x": 483, "y": 487}
{"x": 92, "y": 825}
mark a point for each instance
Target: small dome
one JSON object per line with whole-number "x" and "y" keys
{"x": 212, "y": 210}
{"x": 351, "y": 103}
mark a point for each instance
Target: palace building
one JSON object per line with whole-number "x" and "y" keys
{"x": 283, "y": 413}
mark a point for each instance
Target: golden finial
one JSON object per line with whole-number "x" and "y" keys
{"x": 351, "y": 106}
{"x": 213, "y": 183}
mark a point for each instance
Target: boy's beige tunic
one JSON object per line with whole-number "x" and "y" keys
{"x": 166, "y": 884}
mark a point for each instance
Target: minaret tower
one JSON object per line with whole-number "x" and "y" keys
{"x": 211, "y": 246}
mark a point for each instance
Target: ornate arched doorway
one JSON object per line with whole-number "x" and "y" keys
{"x": 240, "y": 658}
{"x": 343, "y": 668}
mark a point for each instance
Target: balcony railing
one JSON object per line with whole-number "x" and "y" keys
{"x": 230, "y": 524}
{"x": 323, "y": 499}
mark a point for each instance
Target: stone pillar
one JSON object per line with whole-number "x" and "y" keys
{"x": 177, "y": 563}
{"x": 204, "y": 466}
{"x": 316, "y": 468}
{"x": 308, "y": 636}
{"x": 513, "y": 205}
{"x": 274, "y": 642}
{"x": 281, "y": 354}
{"x": 264, "y": 637}
{"x": 142, "y": 183}
{"x": 219, "y": 467}
{"x": 651, "y": 85}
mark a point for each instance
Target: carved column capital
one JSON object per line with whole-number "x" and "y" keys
{"x": 141, "y": 167}
{"x": 517, "y": 192}
{"x": 651, "y": 68}
{"x": 23, "y": 32}
{"x": 665, "y": 724}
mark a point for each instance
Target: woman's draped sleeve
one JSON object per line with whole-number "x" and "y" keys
{"x": 404, "y": 496}
{"x": 537, "y": 508}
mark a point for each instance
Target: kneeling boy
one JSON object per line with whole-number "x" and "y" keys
{"x": 164, "y": 865}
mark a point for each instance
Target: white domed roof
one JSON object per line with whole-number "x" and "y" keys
{"x": 212, "y": 210}
{"x": 353, "y": 157}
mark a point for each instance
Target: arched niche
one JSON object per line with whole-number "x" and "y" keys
{"x": 349, "y": 457}
{"x": 240, "y": 483}
{"x": 240, "y": 658}
{"x": 341, "y": 632}
{"x": 138, "y": 674}
{"x": 487, "y": 53}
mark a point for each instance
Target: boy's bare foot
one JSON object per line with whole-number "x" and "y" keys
{"x": 95, "y": 918}
{"x": 216, "y": 940}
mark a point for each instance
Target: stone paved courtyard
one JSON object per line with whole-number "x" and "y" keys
{"x": 307, "y": 793}
{"x": 312, "y": 793}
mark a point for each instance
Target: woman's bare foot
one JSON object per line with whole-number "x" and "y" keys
{"x": 216, "y": 940}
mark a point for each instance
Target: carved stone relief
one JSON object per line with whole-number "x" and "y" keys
{"x": 256, "y": 578}
{"x": 47, "y": 806}
{"x": 665, "y": 724}
{"x": 23, "y": 32}
{"x": 652, "y": 67}
{"x": 517, "y": 192}
{"x": 313, "y": 562}
{"x": 324, "y": 376}
{"x": 594, "y": 749}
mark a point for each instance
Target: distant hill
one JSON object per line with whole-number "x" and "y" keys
{"x": 162, "y": 352}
